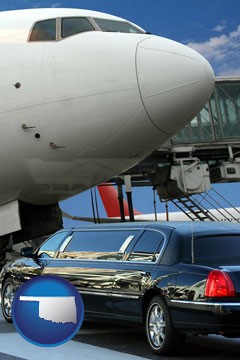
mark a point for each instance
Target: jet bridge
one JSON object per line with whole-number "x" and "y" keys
{"x": 205, "y": 151}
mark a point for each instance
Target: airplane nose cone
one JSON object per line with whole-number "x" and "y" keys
{"x": 174, "y": 82}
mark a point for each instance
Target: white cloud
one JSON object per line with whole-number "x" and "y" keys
{"x": 56, "y": 5}
{"x": 226, "y": 70}
{"x": 40, "y": 4}
{"x": 222, "y": 51}
{"x": 220, "y": 27}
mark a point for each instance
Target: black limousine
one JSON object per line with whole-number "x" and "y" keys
{"x": 175, "y": 277}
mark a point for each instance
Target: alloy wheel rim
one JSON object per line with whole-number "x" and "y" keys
{"x": 156, "y": 326}
{"x": 8, "y": 299}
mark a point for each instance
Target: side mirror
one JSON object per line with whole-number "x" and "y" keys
{"x": 26, "y": 252}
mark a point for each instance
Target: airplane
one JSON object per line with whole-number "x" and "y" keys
{"x": 109, "y": 197}
{"x": 84, "y": 96}
{"x": 110, "y": 201}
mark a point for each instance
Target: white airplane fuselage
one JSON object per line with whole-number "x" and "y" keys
{"x": 77, "y": 111}
{"x": 221, "y": 214}
{"x": 80, "y": 108}
{"x": 110, "y": 200}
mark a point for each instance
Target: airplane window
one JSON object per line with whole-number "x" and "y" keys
{"x": 44, "y": 31}
{"x": 71, "y": 26}
{"x": 117, "y": 26}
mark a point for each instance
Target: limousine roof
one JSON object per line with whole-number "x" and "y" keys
{"x": 183, "y": 228}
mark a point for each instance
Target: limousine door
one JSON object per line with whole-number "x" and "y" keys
{"x": 92, "y": 279}
{"x": 89, "y": 260}
{"x": 136, "y": 274}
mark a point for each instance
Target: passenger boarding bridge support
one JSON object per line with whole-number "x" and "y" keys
{"x": 128, "y": 187}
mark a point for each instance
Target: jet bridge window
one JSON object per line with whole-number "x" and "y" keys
{"x": 44, "y": 31}
{"x": 75, "y": 25}
{"x": 117, "y": 26}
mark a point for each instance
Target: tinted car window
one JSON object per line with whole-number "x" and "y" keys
{"x": 50, "y": 246}
{"x": 102, "y": 245}
{"x": 71, "y": 26}
{"x": 224, "y": 249}
{"x": 147, "y": 247}
{"x": 44, "y": 31}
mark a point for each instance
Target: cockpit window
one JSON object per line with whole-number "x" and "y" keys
{"x": 44, "y": 31}
{"x": 75, "y": 25}
{"x": 60, "y": 28}
{"x": 117, "y": 26}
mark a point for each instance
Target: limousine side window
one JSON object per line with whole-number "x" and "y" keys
{"x": 50, "y": 246}
{"x": 100, "y": 245}
{"x": 148, "y": 247}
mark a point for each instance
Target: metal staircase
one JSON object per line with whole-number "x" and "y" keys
{"x": 195, "y": 207}
{"x": 192, "y": 209}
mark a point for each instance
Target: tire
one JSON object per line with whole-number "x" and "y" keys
{"x": 7, "y": 295}
{"x": 162, "y": 337}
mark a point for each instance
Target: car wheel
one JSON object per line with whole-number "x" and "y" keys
{"x": 162, "y": 337}
{"x": 8, "y": 292}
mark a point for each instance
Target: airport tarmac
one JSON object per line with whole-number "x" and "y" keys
{"x": 103, "y": 341}
{"x": 14, "y": 347}
{"x": 111, "y": 342}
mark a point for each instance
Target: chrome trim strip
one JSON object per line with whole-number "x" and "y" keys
{"x": 94, "y": 293}
{"x": 107, "y": 261}
{"x": 125, "y": 244}
{"x": 65, "y": 243}
{"x": 108, "y": 294}
{"x": 204, "y": 303}
{"x": 126, "y": 296}
{"x": 112, "y": 229}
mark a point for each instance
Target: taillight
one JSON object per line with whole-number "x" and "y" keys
{"x": 219, "y": 284}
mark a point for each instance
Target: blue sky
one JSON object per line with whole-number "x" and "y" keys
{"x": 212, "y": 27}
